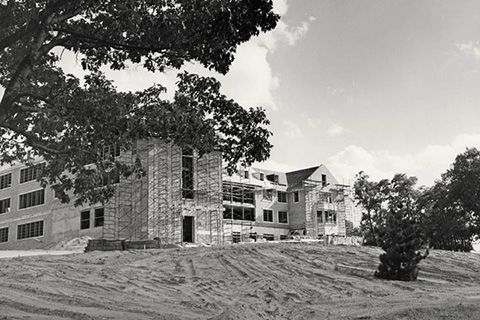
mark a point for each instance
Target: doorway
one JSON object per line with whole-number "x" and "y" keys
{"x": 188, "y": 229}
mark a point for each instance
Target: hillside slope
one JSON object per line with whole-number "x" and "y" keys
{"x": 254, "y": 281}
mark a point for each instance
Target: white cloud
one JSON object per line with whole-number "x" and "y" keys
{"x": 335, "y": 130}
{"x": 283, "y": 34}
{"x": 291, "y": 129}
{"x": 251, "y": 81}
{"x": 427, "y": 165}
{"x": 471, "y": 48}
{"x": 312, "y": 122}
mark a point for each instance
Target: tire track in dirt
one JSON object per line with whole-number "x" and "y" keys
{"x": 254, "y": 281}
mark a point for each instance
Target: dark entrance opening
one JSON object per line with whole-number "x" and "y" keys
{"x": 188, "y": 225}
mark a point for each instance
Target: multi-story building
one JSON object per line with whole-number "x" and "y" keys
{"x": 177, "y": 200}
{"x": 272, "y": 205}
{"x": 181, "y": 198}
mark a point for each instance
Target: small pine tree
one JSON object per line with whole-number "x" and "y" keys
{"x": 401, "y": 236}
{"x": 401, "y": 239}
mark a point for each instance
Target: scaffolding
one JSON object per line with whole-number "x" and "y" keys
{"x": 317, "y": 198}
{"x": 154, "y": 206}
{"x": 239, "y": 202}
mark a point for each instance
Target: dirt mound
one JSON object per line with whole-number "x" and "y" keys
{"x": 254, "y": 281}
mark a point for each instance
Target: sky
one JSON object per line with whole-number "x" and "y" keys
{"x": 380, "y": 86}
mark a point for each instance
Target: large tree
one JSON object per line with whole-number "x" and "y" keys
{"x": 370, "y": 195}
{"x": 446, "y": 224}
{"x": 452, "y": 216}
{"x": 70, "y": 123}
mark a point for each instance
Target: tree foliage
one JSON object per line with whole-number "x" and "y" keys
{"x": 452, "y": 215}
{"x": 47, "y": 113}
{"x": 370, "y": 195}
{"x": 391, "y": 219}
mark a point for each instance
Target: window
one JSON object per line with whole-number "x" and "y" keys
{"x": 296, "y": 196}
{"x": 30, "y": 230}
{"x": 239, "y": 213}
{"x": 4, "y": 234}
{"x": 267, "y": 215}
{"x": 283, "y": 237}
{"x": 268, "y": 194}
{"x": 99, "y": 217}
{"x": 282, "y": 196}
{"x": 330, "y": 217}
{"x": 31, "y": 199}
{"x": 85, "y": 219}
{"x": 236, "y": 237}
{"x": 31, "y": 173}
{"x": 5, "y": 181}
{"x": 235, "y": 193}
{"x": 246, "y": 175}
{"x": 262, "y": 176}
{"x": 268, "y": 237}
{"x": 324, "y": 180}
{"x": 273, "y": 178}
{"x": 4, "y": 205}
{"x": 319, "y": 216}
{"x": 282, "y": 217}
{"x": 187, "y": 173}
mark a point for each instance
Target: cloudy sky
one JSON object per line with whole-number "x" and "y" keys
{"x": 383, "y": 86}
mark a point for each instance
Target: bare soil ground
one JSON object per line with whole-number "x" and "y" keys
{"x": 251, "y": 281}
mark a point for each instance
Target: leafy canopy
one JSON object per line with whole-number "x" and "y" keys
{"x": 452, "y": 217}
{"x": 47, "y": 113}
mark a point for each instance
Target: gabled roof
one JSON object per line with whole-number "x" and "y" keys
{"x": 296, "y": 178}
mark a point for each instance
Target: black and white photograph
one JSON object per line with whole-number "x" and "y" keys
{"x": 239, "y": 159}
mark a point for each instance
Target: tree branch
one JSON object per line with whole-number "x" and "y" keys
{"x": 33, "y": 25}
{"x": 116, "y": 45}
{"x": 34, "y": 141}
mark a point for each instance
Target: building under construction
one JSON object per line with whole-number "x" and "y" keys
{"x": 270, "y": 205}
{"x": 181, "y": 198}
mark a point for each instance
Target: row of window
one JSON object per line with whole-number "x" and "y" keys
{"x": 35, "y": 229}
{"x": 24, "y": 231}
{"x": 243, "y": 194}
{"x": 248, "y": 214}
{"x": 34, "y": 172}
{"x": 26, "y": 175}
{"x": 239, "y": 194}
{"x": 98, "y": 218}
{"x": 26, "y": 200}
{"x": 239, "y": 213}
{"x": 268, "y": 216}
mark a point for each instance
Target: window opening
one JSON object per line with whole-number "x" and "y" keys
{"x": 267, "y": 215}
{"x": 30, "y": 230}
{"x": 4, "y": 234}
{"x": 5, "y": 205}
{"x": 282, "y": 216}
{"x": 5, "y": 181}
{"x": 187, "y": 173}
{"x": 99, "y": 215}
{"x": 31, "y": 199}
{"x": 31, "y": 173}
